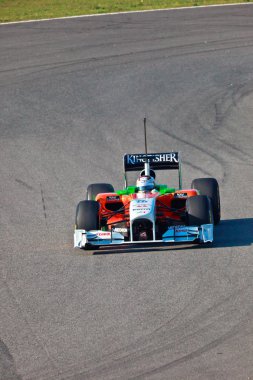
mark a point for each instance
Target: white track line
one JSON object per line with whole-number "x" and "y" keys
{"x": 123, "y": 13}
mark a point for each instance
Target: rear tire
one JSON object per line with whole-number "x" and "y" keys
{"x": 199, "y": 210}
{"x": 209, "y": 187}
{"x": 87, "y": 215}
{"x": 95, "y": 188}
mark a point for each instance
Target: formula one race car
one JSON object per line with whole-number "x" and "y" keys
{"x": 148, "y": 212}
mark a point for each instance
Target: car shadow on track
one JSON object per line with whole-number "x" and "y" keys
{"x": 229, "y": 233}
{"x": 234, "y": 233}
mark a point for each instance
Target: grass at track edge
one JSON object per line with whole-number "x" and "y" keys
{"x": 14, "y": 10}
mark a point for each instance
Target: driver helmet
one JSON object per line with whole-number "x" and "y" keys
{"x": 145, "y": 183}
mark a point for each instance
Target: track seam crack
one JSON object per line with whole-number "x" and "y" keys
{"x": 43, "y": 204}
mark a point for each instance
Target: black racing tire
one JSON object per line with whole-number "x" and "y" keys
{"x": 87, "y": 215}
{"x": 96, "y": 188}
{"x": 199, "y": 210}
{"x": 209, "y": 187}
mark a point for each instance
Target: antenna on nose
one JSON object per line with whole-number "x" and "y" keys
{"x": 146, "y": 164}
{"x": 145, "y": 137}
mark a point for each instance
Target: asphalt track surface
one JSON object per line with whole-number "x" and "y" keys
{"x": 73, "y": 96}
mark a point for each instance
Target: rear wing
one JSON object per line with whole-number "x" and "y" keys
{"x": 157, "y": 161}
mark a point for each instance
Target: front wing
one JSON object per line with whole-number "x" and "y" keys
{"x": 174, "y": 234}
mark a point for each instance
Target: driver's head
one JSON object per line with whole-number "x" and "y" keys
{"x": 145, "y": 183}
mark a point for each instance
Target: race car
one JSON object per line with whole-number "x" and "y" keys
{"x": 148, "y": 212}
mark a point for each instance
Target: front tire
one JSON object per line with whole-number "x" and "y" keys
{"x": 210, "y": 188}
{"x": 96, "y": 188}
{"x": 199, "y": 210}
{"x": 87, "y": 215}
